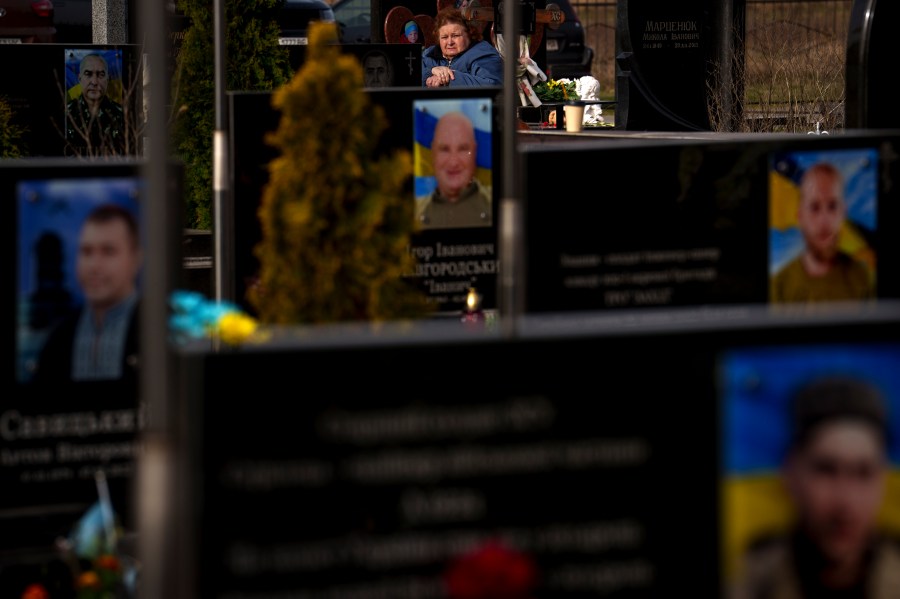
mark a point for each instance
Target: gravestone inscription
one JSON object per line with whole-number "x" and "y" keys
{"x": 664, "y": 58}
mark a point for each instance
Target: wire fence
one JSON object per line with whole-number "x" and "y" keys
{"x": 809, "y": 35}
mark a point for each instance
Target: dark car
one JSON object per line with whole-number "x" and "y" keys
{"x": 567, "y": 55}
{"x": 26, "y": 22}
{"x": 354, "y": 18}
{"x": 295, "y": 17}
{"x": 74, "y": 21}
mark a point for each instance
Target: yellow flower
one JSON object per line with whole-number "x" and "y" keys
{"x": 554, "y": 90}
{"x": 88, "y": 580}
{"x": 234, "y": 327}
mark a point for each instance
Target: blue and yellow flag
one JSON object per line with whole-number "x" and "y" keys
{"x": 426, "y": 114}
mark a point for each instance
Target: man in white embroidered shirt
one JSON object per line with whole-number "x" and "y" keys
{"x": 99, "y": 341}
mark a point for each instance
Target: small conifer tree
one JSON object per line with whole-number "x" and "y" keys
{"x": 336, "y": 220}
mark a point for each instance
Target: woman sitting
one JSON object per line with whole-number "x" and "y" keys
{"x": 461, "y": 56}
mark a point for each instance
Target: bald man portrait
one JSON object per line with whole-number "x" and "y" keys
{"x": 459, "y": 200}
{"x": 822, "y": 271}
{"x": 95, "y": 123}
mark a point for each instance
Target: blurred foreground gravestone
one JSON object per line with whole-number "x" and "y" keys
{"x": 666, "y": 55}
{"x": 871, "y": 60}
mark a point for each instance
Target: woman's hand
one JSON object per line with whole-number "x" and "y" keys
{"x": 440, "y": 76}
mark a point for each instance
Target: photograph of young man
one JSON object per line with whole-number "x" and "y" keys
{"x": 822, "y": 271}
{"x": 99, "y": 339}
{"x": 834, "y": 474}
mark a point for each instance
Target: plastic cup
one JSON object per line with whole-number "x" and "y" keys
{"x": 574, "y": 117}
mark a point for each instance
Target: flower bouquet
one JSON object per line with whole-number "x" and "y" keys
{"x": 96, "y": 556}
{"x": 195, "y": 317}
{"x": 556, "y": 90}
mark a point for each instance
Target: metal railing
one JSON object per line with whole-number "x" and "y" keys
{"x": 808, "y": 35}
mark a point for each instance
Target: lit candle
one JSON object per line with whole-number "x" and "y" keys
{"x": 473, "y": 311}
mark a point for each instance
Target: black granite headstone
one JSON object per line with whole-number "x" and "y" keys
{"x": 694, "y": 227}
{"x": 41, "y": 79}
{"x": 871, "y": 58}
{"x": 373, "y": 489}
{"x": 449, "y": 260}
{"x": 67, "y": 446}
{"x": 665, "y": 55}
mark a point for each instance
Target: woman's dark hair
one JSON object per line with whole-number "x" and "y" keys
{"x": 453, "y": 16}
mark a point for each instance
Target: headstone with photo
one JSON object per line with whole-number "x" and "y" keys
{"x": 381, "y": 8}
{"x": 562, "y": 459}
{"x": 714, "y": 224}
{"x": 70, "y": 426}
{"x": 43, "y": 82}
{"x": 384, "y": 65}
{"x": 452, "y": 258}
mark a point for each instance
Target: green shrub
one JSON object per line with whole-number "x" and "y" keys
{"x": 253, "y": 61}
{"x": 336, "y": 218}
{"x": 10, "y": 133}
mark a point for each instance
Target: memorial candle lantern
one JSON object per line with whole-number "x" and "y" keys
{"x": 472, "y": 311}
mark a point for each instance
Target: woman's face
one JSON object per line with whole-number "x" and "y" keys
{"x": 454, "y": 39}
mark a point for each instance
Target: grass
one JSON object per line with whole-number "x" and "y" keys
{"x": 793, "y": 75}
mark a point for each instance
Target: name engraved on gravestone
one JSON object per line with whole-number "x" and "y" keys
{"x": 663, "y": 52}
{"x": 50, "y": 460}
{"x": 446, "y": 271}
{"x": 48, "y": 447}
{"x": 670, "y": 35}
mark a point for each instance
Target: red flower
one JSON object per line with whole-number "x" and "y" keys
{"x": 35, "y": 591}
{"x": 107, "y": 562}
{"x": 491, "y": 571}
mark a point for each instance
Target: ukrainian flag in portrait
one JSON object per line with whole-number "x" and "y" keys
{"x": 755, "y": 388}
{"x": 113, "y": 58}
{"x": 859, "y": 168}
{"x": 425, "y": 117}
